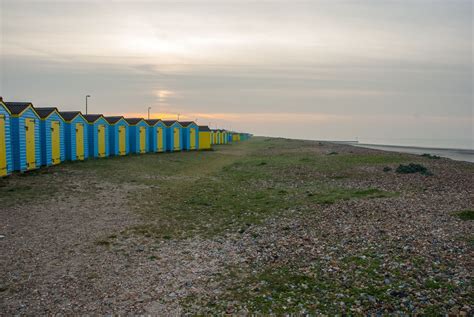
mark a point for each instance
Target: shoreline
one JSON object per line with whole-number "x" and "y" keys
{"x": 464, "y": 155}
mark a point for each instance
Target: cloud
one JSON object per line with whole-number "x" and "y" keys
{"x": 330, "y": 67}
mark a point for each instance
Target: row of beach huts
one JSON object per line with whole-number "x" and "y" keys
{"x": 31, "y": 137}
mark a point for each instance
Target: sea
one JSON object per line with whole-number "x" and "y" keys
{"x": 455, "y": 149}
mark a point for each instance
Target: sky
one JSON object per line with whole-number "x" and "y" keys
{"x": 396, "y": 72}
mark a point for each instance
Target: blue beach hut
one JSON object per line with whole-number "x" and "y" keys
{"x": 98, "y": 135}
{"x": 118, "y": 136}
{"x": 6, "y": 160}
{"x": 156, "y": 135}
{"x": 138, "y": 135}
{"x": 190, "y": 135}
{"x": 53, "y": 149}
{"x": 75, "y": 135}
{"x": 173, "y": 135}
{"x": 224, "y": 135}
{"x": 25, "y": 136}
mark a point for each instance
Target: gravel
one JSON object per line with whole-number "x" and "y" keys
{"x": 67, "y": 254}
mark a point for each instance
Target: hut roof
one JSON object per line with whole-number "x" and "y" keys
{"x": 204, "y": 128}
{"x": 44, "y": 112}
{"x": 186, "y": 123}
{"x": 169, "y": 123}
{"x": 17, "y": 107}
{"x": 133, "y": 120}
{"x": 92, "y": 117}
{"x": 152, "y": 121}
{"x": 69, "y": 115}
{"x": 113, "y": 120}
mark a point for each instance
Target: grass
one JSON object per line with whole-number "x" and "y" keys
{"x": 433, "y": 157}
{"x": 333, "y": 195}
{"x": 283, "y": 289}
{"x": 207, "y": 193}
{"x": 231, "y": 189}
{"x": 465, "y": 215}
{"x": 413, "y": 168}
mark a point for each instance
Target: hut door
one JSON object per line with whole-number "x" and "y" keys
{"x": 142, "y": 139}
{"x": 55, "y": 143}
{"x": 3, "y": 147}
{"x": 176, "y": 138}
{"x": 159, "y": 139}
{"x": 30, "y": 143}
{"x": 192, "y": 139}
{"x": 101, "y": 140}
{"x": 122, "y": 136}
{"x": 79, "y": 141}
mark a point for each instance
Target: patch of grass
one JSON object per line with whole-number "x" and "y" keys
{"x": 439, "y": 284}
{"x": 103, "y": 242}
{"x": 18, "y": 190}
{"x": 465, "y": 215}
{"x": 279, "y": 291}
{"x": 413, "y": 168}
{"x": 333, "y": 195}
{"x": 433, "y": 157}
{"x": 361, "y": 280}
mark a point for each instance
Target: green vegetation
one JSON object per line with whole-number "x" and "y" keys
{"x": 283, "y": 289}
{"x": 433, "y": 157}
{"x": 413, "y": 168}
{"x": 465, "y": 214}
{"x": 207, "y": 193}
{"x": 235, "y": 189}
{"x": 333, "y": 195}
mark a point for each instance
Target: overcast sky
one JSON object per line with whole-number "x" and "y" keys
{"x": 303, "y": 69}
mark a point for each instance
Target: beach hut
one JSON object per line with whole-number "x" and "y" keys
{"x": 235, "y": 137}
{"x": 215, "y": 136}
{"x": 204, "y": 137}
{"x": 118, "y": 135}
{"x": 138, "y": 136}
{"x": 173, "y": 135}
{"x": 53, "y": 149}
{"x": 75, "y": 135}
{"x": 221, "y": 136}
{"x": 224, "y": 136}
{"x": 190, "y": 135}
{"x": 6, "y": 160}
{"x": 229, "y": 137}
{"x": 156, "y": 135}
{"x": 24, "y": 136}
{"x": 98, "y": 129}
